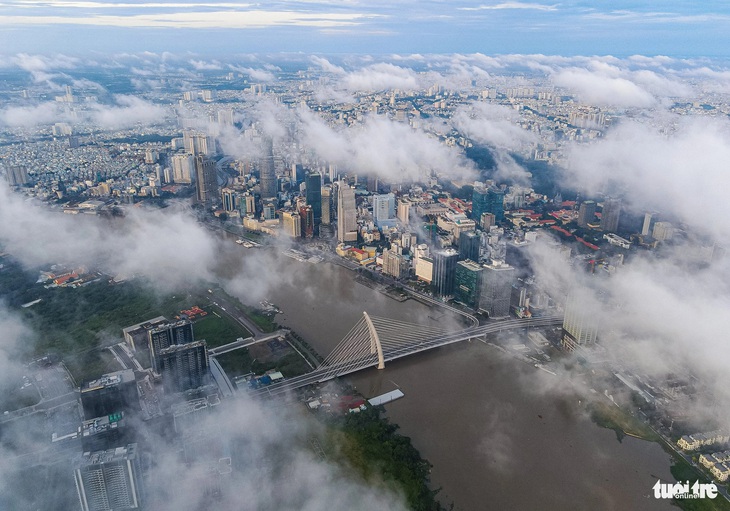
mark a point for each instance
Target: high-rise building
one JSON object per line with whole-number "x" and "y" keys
{"x": 372, "y": 183}
{"x": 610, "y": 214}
{"x": 206, "y": 181}
{"x": 468, "y": 283}
{"x": 225, "y": 117}
{"x": 291, "y": 223}
{"x": 487, "y": 221}
{"x": 166, "y": 335}
{"x": 496, "y": 289}
{"x": 184, "y": 367}
{"x": 487, "y": 200}
{"x": 495, "y": 198}
{"x": 404, "y": 210}
{"x": 662, "y": 231}
{"x": 248, "y": 204}
{"x": 314, "y": 196}
{"x": 646, "y": 227}
{"x": 444, "y": 271}
{"x": 306, "y": 214}
{"x": 469, "y": 245}
{"x": 198, "y": 144}
{"x": 346, "y": 213}
{"x": 394, "y": 263}
{"x": 105, "y": 432}
{"x": 16, "y": 175}
{"x": 580, "y": 324}
{"x": 183, "y": 168}
{"x": 479, "y": 203}
{"x": 383, "y": 208}
{"x": 267, "y": 171}
{"x": 326, "y": 205}
{"x": 229, "y": 198}
{"x": 109, "y": 394}
{"x": 297, "y": 174}
{"x": 586, "y": 213}
{"x": 109, "y": 480}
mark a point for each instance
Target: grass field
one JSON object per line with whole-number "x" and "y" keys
{"x": 612, "y": 417}
{"x": 218, "y": 330}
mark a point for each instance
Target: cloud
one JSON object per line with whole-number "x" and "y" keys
{"x": 257, "y": 75}
{"x": 602, "y": 90}
{"x": 327, "y": 66}
{"x": 676, "y": 171}
{"x": 167, "y": 246}
{"x": 370, "y": 149}
{"x": 128, "y": 111}
{"x": 198, "y": 20}
{"x": 379, "y": 77}
{"x": 201, "y": 65}
{"x": 31, "y": 116}
{"x": 35, "y": 63}
{"x": 493, "y": 125}
{"x": 512, "y": 5}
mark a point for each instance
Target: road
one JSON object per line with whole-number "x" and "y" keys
{"x": 232, "y": 310}
{"x": 245, "y": 343}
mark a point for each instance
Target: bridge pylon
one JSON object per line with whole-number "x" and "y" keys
{"x": 375, "y": 346}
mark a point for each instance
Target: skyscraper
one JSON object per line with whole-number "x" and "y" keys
{"x": 487, "y": 200}
{"x": 183, "y": 168}
{"x": 346, "y": 213}
{"x": 206, "y": 181}
{"x": 479, "y": 203}
{"x": 297, "y": 174}
{"x": 166, "y": 335}
{"x": 495, "y": 198}
{"x": 404, "y": 210}
{"x": 580, "y": 324}
{"x": 267, "y": 171}
{"x": 586, "y": 213}
{"x": 110, "y": 393}
{"x": 444, "y": 271}
{"x": 383, "y": 208}
{"x": 198, "y": 144}
{"x": 496, "y": 289}
{"x": 610, "y": 214}
{"x": 291, "y": 223}
{"x": 184, "y": 367}
{"x": 109, "y": 480}
{"x": 16, "y": 175}
{"x": 469, "y": 245}
{"x": 468, "y": 283}
{"x": 326, "y": 205}
{"x": 306, "y": 214}
{"x": 662, "y": 231}
{"x": 230, "y": 199}
{"x": 314, "y": 196}
{"x": 393, "y": 263}
{"x": 646, "y": 226}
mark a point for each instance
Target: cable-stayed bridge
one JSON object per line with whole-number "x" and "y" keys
{"x": 374, "y": 341}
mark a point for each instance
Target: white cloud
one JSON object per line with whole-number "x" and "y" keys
{"x": 381, "y": 76}
{"x": 512, "y": 5}
{"x": 128, "y": 111}
{"x": 198, "y": 20}
{"x": 602, "y": 90}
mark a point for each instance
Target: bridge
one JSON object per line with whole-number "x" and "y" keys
{"x": 374, "y": 341}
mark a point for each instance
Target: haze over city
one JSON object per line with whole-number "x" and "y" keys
{"x": 403, "y": 255}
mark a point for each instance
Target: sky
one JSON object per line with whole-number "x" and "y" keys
{"x": 675, "y": 27}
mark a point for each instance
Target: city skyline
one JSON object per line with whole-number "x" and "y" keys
{"x": 311, "y": 190}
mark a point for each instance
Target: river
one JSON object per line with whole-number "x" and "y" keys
{"x": 497, "y": 440}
